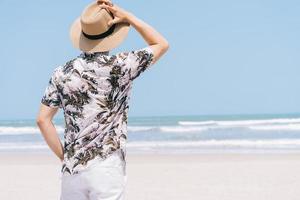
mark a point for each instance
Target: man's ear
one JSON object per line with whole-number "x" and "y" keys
{"x": 46, "y": 112}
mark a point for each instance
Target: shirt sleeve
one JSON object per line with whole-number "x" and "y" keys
{"x": 51, "y": 96}
{"x": 138, "y": 61}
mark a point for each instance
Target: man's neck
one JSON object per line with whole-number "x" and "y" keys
{"x": 96, "y": 53}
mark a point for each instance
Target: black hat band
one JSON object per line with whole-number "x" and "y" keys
{"x": 101, "y": 35}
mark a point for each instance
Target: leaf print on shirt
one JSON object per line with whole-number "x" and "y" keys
{"x": 94, "y": 92}
{"x": 68, "y": 66}
{"x": 137, "y": 61}
{"x": 51, "y": 95}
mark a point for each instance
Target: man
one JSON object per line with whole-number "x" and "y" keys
{"x": 93, "y": 90}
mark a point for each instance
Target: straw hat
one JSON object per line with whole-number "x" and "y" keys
{"x": 91, "y": 33}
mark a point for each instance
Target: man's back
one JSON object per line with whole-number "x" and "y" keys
{"x": 94, "y": 90}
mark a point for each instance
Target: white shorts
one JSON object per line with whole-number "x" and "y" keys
{"x": 103, "y": 180}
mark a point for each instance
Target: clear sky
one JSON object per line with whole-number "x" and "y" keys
{"x": 225, "y": 57}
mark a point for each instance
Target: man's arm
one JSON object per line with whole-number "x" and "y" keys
{"x": 155, "y": 40}
{"x": 44, "y": 122}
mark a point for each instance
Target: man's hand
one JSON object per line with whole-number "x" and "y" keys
{"x": 120, "y": 14}
{"x": 155, "y": 40}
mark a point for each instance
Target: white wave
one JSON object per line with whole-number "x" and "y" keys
{"x": 27, "y": 130}
{"x": 10, "y": 130}
{"x": 241, "y": 122}
{"x": 292, "y": 124}
{"x": 139, "y": 128}
{"x": 218, "y": 143}
{"x": 22, "y": 146}
{"x": 281, "y": 124}
{"x": 181, "y": 129}
{"x": 279, "y": 143}
{"x": 287, "y": 127}
{"x": 201, "y": 123}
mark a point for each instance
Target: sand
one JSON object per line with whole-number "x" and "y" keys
{"x": 222, "y": 176}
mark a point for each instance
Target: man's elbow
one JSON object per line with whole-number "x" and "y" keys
{"x": 165, "y": 46}
{"x": 40, "y": 120}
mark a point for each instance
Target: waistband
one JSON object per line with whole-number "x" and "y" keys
{"x": 114, "y": 159}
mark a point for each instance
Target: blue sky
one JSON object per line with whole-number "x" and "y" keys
{"x": 225, "y": 57}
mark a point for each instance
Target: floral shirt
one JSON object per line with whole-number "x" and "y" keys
{"x": 93, "y": 90}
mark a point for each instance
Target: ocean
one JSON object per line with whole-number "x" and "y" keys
{"x": 179, "y": 134}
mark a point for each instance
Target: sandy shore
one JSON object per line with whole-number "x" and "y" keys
{"x": 28, "y": 176}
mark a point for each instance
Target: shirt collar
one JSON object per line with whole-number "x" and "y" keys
{"x": 93, "y": 54}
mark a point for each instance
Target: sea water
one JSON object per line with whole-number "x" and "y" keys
{"x": 179, "y": 134}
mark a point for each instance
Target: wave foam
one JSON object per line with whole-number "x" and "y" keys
{"x": 219, "y": 143}
{"x": 10, "y": 130}
{"x": 186, "y": 145}
{"x": 263, "y": 124}
{"x": 140, "y": 128}
{"x": 288, "y": 127}
{"x": 180, "y": 129}
{"x": 241, "y": 122}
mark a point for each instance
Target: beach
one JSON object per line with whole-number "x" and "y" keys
{"x": 183, "y": 157}
{"x": 216, "y": 117}
{"x": 208, "y": 176}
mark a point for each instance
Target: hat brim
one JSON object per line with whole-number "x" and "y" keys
{"x": 79, "y": 41}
